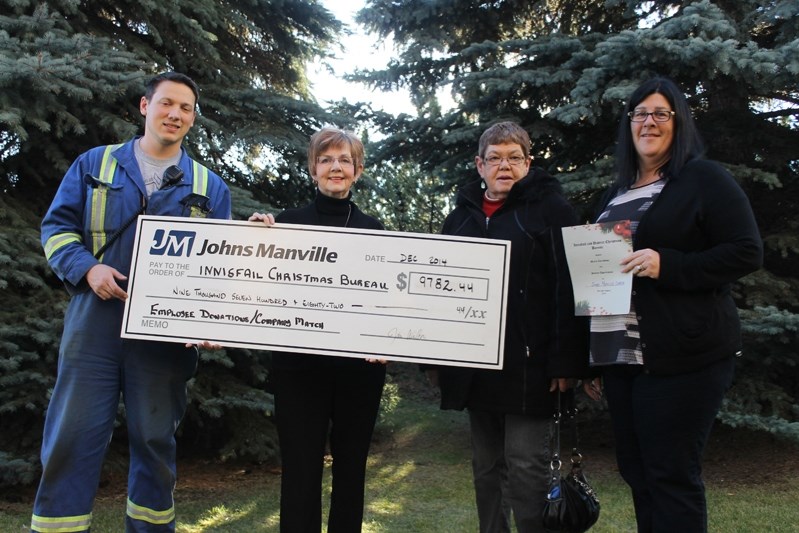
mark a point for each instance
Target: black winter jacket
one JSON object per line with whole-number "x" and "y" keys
{"x": 543, "y": 338}
{"x": 703, "y": 227}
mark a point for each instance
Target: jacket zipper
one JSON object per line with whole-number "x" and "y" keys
{"x": 527, "y": 353}
{"x": 526, "y": 345}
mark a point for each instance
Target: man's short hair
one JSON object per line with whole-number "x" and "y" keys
{"x": 177, "y": 77}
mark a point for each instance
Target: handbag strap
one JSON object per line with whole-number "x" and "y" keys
{"x": 571, "y": 413}
{"x": 557, "y": 421}
{"x": 557, "y": 418}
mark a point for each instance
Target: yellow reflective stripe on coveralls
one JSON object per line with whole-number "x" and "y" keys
{"x": 108, "y": 167}
{"x": 62, "y": 524}
{"x": 199, "y": 187}
{"x": 200, "y": 178}
{"x": 58, "y": 240}
{"x": 137, "y": 512}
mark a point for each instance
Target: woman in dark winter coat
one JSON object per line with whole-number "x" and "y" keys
{"x": 319, "y": 397}
{"x": 510, "y": 410}
{"x": 667, "y": 364}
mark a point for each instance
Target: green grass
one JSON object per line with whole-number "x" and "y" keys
{"x": 419, "y": 480}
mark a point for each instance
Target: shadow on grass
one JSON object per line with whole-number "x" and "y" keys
{"x": 419, "y": 480}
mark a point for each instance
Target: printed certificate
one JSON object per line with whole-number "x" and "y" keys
{"x": 331, "y": 291}
{"x": 594, "y": 252}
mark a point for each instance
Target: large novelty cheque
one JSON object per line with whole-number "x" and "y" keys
{"x": 330, "y": 291}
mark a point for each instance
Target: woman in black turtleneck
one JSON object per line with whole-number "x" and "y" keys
{"x": 317, "y": 395}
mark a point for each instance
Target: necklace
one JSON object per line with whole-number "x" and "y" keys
{"x": 487, "y": 197}
{"x": 643, "y": 182}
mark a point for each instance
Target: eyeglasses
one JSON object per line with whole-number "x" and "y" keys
{"x": 657, "y": 116}
{"x": 495, "y": 160}
{"x": 327, "y": 160}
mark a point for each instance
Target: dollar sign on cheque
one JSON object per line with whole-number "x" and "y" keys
{"x": 401, "y": 284}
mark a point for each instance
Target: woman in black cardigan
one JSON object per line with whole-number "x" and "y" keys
{"x": 667, "y": 364}
{"x": 319, "y": 397}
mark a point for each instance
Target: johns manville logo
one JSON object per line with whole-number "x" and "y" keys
{"x": 174, "y": 243}
{"x": 177, "y": 243}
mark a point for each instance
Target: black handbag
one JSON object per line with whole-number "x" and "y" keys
{"x": 572, "y": 505}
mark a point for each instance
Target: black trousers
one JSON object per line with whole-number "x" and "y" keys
{"x": 311, "y": 404}
{"x": 661, "y": 425}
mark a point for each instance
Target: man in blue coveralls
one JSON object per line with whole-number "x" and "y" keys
{"x": 88, "y": 239}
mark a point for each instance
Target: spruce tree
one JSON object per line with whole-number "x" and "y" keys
{"x": 564, "y": 68}
{"x": 72, "y": 76}
{"x": 74, "y": 72}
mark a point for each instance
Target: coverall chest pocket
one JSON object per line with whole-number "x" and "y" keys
{"x": 104, "y": 207}
{"x": 196, "y": 205}
{"x": 180, "y": 202}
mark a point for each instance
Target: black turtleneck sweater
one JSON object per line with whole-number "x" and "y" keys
{"x": 327, "y": 211}
{"x": 324, "y": 211}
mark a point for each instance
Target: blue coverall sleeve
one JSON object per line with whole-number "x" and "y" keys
{"x": 63, "y": 231}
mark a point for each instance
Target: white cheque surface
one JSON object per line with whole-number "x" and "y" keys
{"x": 331, "y": 291}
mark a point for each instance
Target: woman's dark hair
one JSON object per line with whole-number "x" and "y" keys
{"x": 686, "y": 143}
